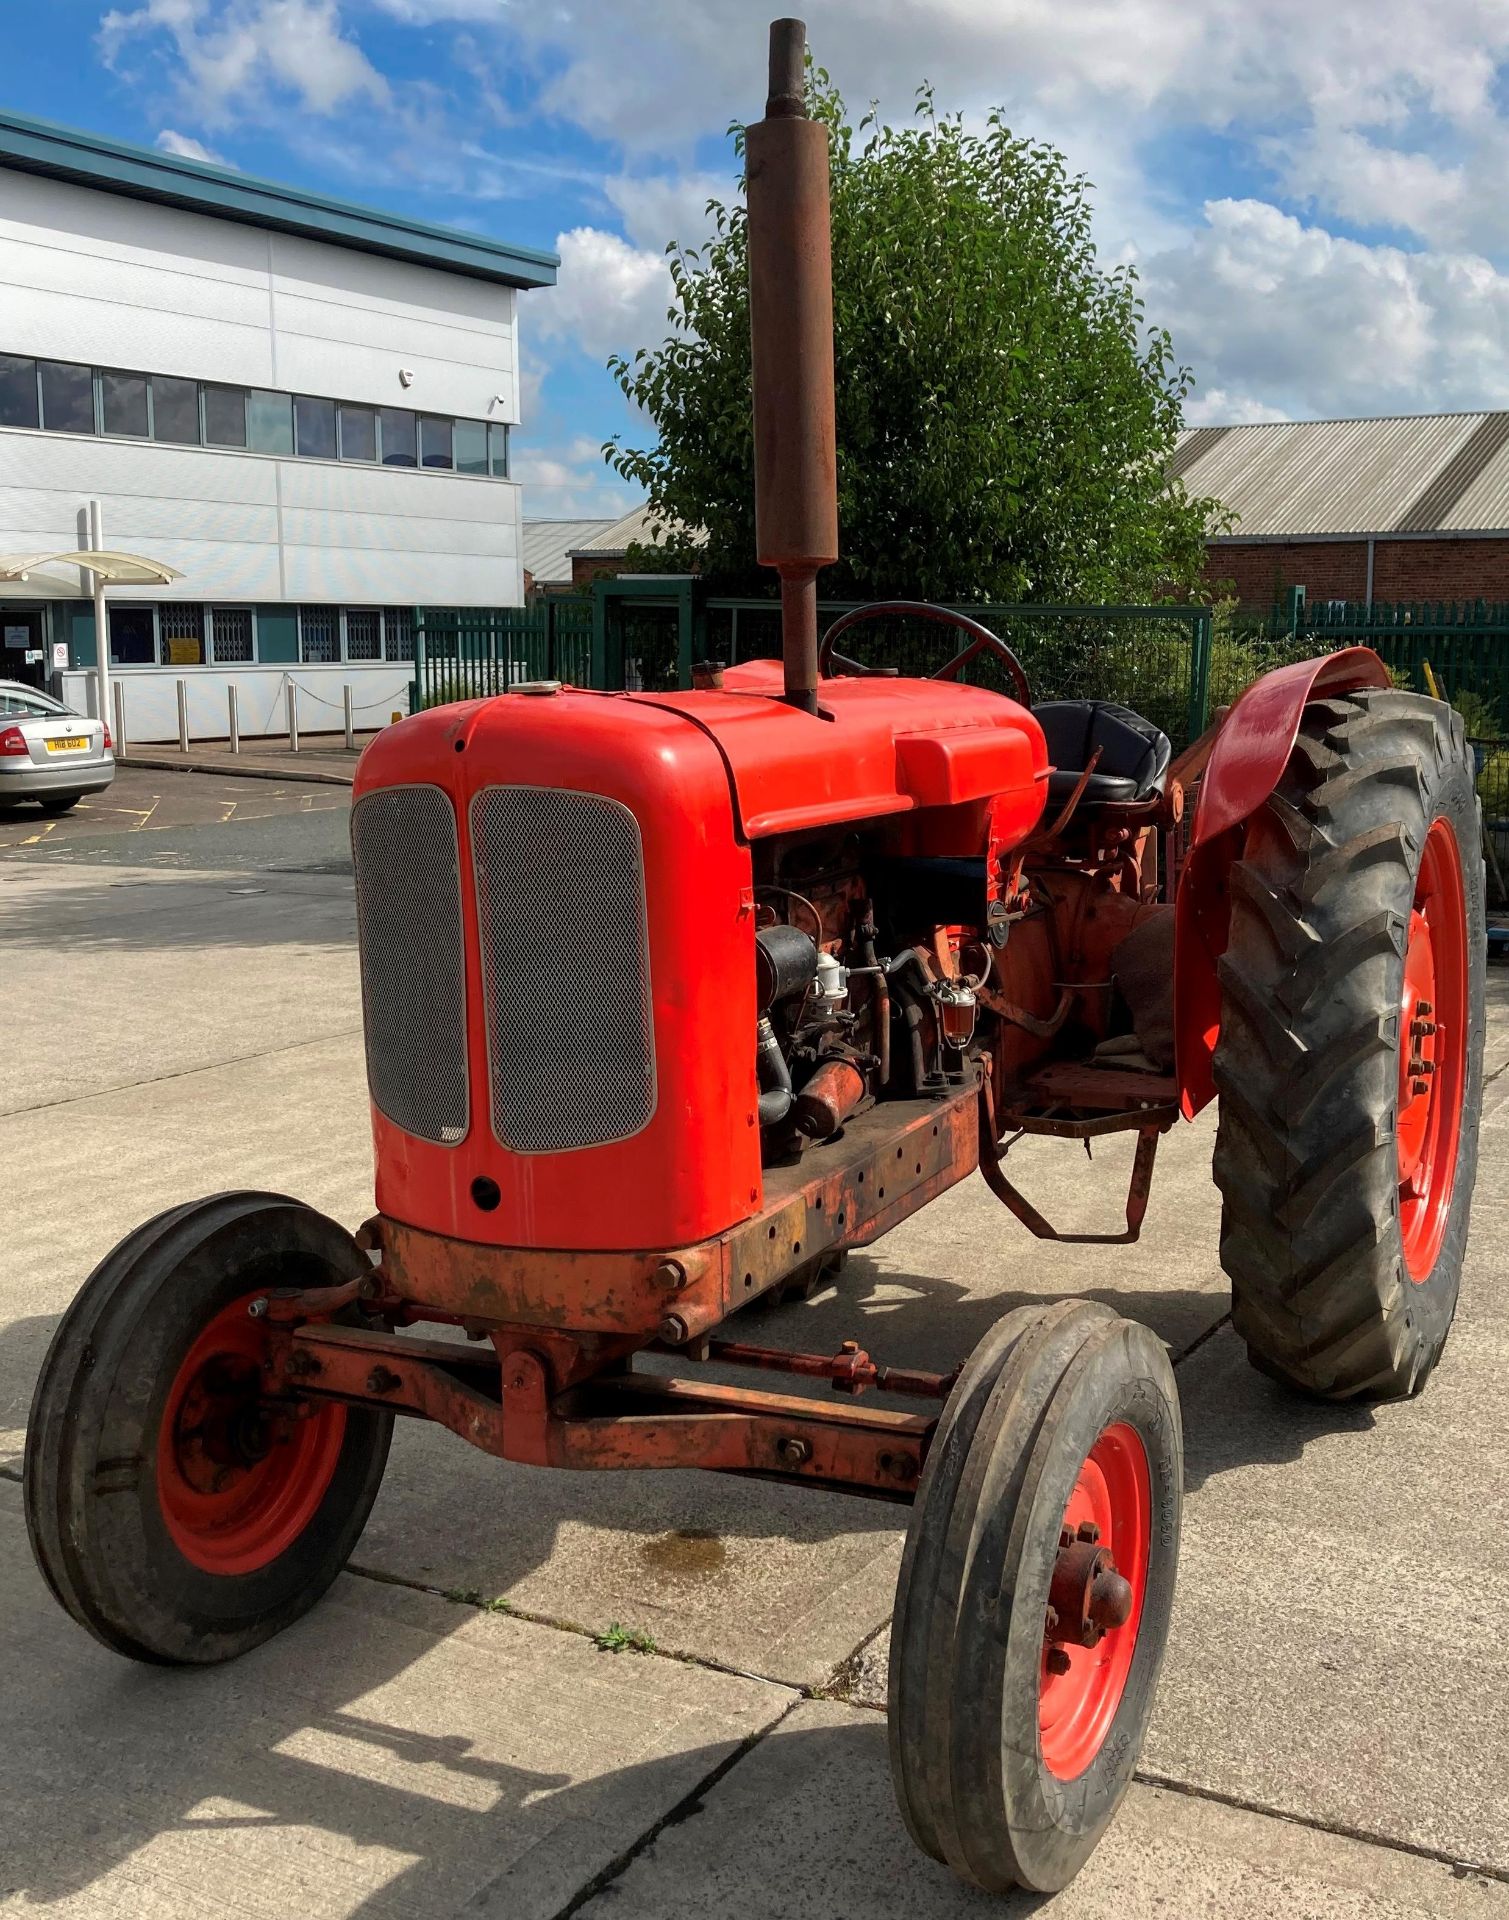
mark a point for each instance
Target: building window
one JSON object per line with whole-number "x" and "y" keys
{"x": 358, "y": 430}
{"x": 231, "y": 635}
{"x": 59, "y": 397}
{"x": 363, "y": 633}
{"x": 18, "y": 392}
{"x": 224, "y": 417}
{"x": 123, "y": 405}
{"x": 175, "y": 411}
{"x": 319, "y": 634}
{"x": 471, "y": 446}
{"x": 181, "y": 624}
{"x": 398, "y": 437}
{"x": 398, "y": 633}
{"x": 133, "y": 636}
{"x": 313, "y": 428}
{"x": 269, "y": 422}
{"x": 67, "y": 397}
{"x": 434, "y": 442}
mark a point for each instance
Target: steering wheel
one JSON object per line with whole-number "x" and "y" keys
{"x": 982, "y": 640}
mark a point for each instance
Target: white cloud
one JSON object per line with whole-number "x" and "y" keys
{"x": 569, "y": 481}
{"x": 1371, "y": 185}
{"x": 183, "y": 147}
{"x": 1220, "y": 408}
{"x": 660, "y": 207}
{"x": 1275, "y": 312}
{"x": 611, "y": 297}
{"x": 232, "y": 55}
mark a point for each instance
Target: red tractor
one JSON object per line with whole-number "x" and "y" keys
{"x": 673, "y": 998}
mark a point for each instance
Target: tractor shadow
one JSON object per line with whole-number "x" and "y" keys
{"x": 325, "y": 1759}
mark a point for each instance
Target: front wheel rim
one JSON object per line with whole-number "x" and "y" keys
{"x": 1080, "y": 1687}
{"x": 1432, "y": 1050}
{"x": 239, "y": 1477}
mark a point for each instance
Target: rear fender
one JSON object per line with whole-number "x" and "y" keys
{"x": 1246, "y": 764}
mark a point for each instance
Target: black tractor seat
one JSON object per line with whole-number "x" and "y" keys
{"x": 1134, "y": 754}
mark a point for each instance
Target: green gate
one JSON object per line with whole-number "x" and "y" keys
{"x": 468, "y": 653}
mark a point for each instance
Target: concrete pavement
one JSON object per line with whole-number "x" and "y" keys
{"x": 1329, "y": 1738}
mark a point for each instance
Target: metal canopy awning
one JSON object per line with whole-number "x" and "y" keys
{"x": 119, "y": 569}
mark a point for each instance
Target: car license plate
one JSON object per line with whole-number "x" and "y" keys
{"x": 74, "y": 744}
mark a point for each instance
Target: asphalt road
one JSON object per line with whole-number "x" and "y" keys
{"x": 190, "y": 821}
{"x": 443, "y": 1736}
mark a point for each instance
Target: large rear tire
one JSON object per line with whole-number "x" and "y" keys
{"x": 177, "y": 1511}
{"x": 1349, "y": 1065}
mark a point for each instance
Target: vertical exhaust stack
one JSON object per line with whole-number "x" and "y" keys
{"x": 791, "y": 331}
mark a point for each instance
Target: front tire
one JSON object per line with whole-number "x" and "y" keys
{"x": 1035, "y": 1594}
{"x": 1350, "y": 1060}
{"x": 175, "y": 1511}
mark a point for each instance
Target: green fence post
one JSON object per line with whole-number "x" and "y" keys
{"x": 686, "y": 622}
{"x": 416, "y": 686}
{"x": 1202, "y": 630}
{"x": 1294, "y": 610}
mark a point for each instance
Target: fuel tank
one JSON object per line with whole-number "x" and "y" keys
{"x": 556, "y": 921}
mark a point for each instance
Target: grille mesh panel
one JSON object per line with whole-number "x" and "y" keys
{"x": 408, "y": 910}
{"x": 565, "y": 967}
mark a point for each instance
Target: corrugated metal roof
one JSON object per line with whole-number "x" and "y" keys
{"x": 636, "y": 528}
{"x": 1483, "y": 506}
{"x": 548, "y": 546}
{"x": 1339, "y": 477}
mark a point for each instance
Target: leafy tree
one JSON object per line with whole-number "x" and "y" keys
{"x": 1004, "y": 410}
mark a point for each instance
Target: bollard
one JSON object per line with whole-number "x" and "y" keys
{"x": 235, "y": 718}
{"x": 183, "y": 717}
{"x": 118, "y": 694}
{"x": 350, "y": 720}
{"x": 293, "y": 718}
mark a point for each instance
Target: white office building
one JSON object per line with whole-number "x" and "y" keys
{"x": 302, "y": 407}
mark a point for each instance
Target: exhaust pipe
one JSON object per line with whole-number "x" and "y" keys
{"x": 791, "y": 335}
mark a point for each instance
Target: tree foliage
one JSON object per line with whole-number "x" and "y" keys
{"x": 1004, "y": 409}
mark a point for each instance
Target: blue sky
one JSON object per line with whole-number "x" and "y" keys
{"x": 1313, "y": 193}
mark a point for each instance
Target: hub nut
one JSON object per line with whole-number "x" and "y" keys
{"x": 1057, "y": 1660}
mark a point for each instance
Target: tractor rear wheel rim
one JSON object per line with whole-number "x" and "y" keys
{"x": 1079, "y": 1687}
{"x": 239, "y": 1478}
{"x": 1432, "y": 1050}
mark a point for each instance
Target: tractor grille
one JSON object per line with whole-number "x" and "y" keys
{"x": 408, "y": 911}
{"x": 565, "y": 967}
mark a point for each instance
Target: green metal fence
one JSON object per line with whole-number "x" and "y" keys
{"x": 1155, "y": 659}
{"x": 466, "y": 653}
{"x": 1465, "y": 644}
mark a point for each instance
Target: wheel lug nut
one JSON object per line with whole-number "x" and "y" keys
{"x": 1088, "y": 1531}
{"x": 1065, "y": 1537}
{"x": 1424, "y": 1007}
{"x": 1057, "y": 1661}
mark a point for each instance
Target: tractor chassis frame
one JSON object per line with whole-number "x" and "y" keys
{"x": 545, "y": 1376}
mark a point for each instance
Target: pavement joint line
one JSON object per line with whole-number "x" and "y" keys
{"x": 479, "y": 1603}
{"x": 841, "y": 1677}
{"x": 685, "y": 1808}
{"x": 1178, "y": 1359}
{"x": 183, "y": 1073}
{"x": 1336, "y": 1829}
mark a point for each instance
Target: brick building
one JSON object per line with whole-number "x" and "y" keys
{"x": 1411, "y": 508}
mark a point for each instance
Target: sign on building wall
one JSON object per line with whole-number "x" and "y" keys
{"x": 18, "y": 637}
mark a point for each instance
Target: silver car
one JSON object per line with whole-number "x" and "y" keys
{"x": 48, "y": 753}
